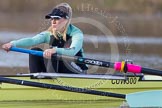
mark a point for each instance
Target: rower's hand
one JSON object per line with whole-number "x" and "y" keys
{"x": 48, "y": 53}
{"x": 7, "y": 46}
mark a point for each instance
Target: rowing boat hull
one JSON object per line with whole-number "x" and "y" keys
{"x": 12, "y": 92}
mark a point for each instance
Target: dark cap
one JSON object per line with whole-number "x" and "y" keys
{"x": 59, "y": 12}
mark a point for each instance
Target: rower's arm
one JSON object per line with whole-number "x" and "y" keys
{"x": 43, "y": 37}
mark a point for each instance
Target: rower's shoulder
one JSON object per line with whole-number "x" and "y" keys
{"x": 72, "y": 29}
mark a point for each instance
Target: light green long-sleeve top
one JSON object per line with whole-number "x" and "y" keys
{"x": 44, "y": 37}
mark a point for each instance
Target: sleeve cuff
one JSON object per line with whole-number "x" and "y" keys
{"x": 59, "y": 50}
{"x": 13, "y": 43}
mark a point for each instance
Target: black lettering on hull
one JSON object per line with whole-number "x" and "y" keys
{"x": 131, "y": 80}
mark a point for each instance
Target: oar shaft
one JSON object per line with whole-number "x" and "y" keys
{"x": 84, "y": 60}
{"x": 118, "y": 66}
{"x": 69, "y": 58}
{"x": 151, "y": 71}
{"x": 62, "y": 88}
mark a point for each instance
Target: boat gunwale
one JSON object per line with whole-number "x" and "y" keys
{"x": 78, "y": 76}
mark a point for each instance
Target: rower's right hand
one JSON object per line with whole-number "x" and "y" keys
{"x": 7, "y": 46}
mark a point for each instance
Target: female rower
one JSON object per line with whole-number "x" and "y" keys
{"x": 62, "y": 37}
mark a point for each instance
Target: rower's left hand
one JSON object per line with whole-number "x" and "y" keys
{"x": 48, "y": 53}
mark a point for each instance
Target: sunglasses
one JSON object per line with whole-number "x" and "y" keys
{"x": 55, "y": 18}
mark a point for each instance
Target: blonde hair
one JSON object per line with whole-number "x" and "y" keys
{"x": 68, "y": 10}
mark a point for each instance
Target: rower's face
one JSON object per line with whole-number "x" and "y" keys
{"x": 58, "y": 24}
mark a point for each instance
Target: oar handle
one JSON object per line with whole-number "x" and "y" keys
{"x": 22, "y": 50}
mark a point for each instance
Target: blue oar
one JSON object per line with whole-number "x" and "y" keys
{"x": 139, "y": 99}
{"x": 22, "y": 50}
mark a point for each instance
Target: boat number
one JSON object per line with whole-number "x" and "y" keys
{"x": 132, "y": 80}
{"x": 93, "y": 62}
